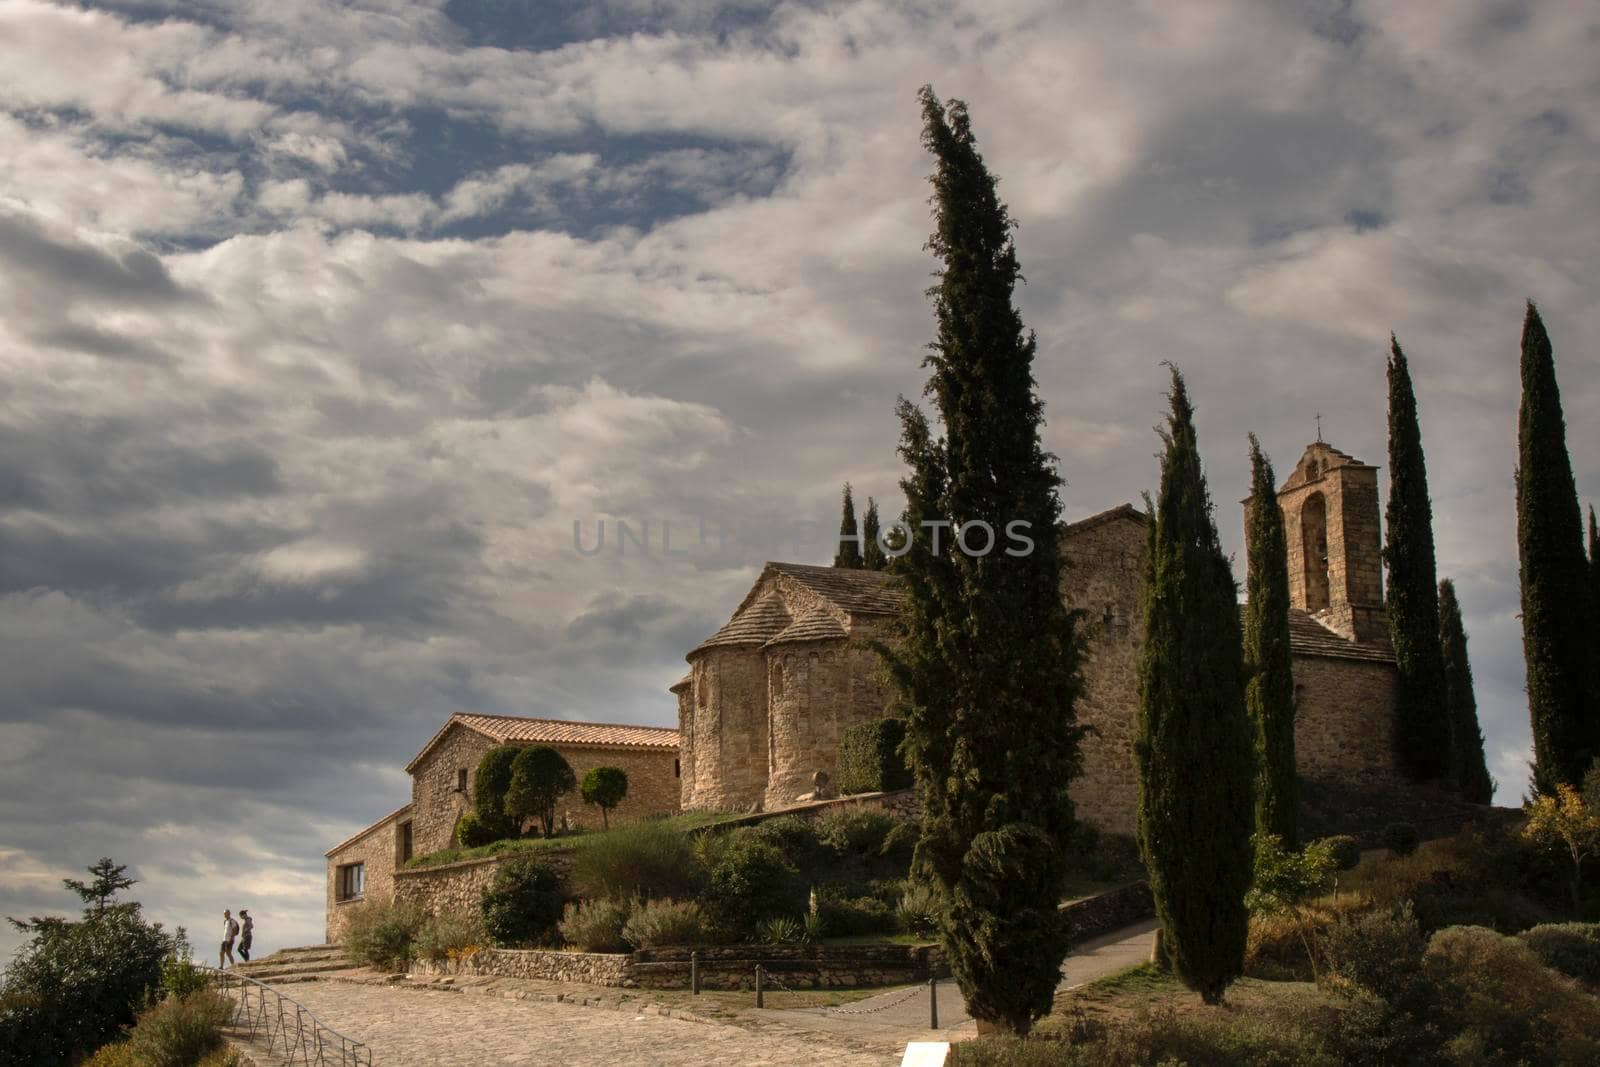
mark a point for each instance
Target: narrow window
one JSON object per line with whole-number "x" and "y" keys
{"x": 461, "y": 780}
{"x": 405, "y": 841}
{"x": 349, "y": 881}
{"x": 677, "y": 769}
{"x": 1314, "y": 551}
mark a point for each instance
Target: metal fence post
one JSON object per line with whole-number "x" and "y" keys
{"x": 694, "y": 972}
{"x": 760, "y": 1003}
{"x": 933, "y": 1004}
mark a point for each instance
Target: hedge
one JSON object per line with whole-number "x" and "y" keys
{"x": 870, "y": 760}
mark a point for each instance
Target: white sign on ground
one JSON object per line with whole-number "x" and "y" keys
{"x": 926, "y": 1054}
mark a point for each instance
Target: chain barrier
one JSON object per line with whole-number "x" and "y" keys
{"x": 288, "y": 1027}
{"x": 901, "y": 999}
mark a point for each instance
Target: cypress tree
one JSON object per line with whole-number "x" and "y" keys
{"x": 1269, "y": 693}
{"x": 872, "y": 556}
{"x": 849, "y": 554}
{"x": 1594, "y": 570}
{"x": 986, "y": 671}
{"x": 1422, "y": 714}
{"x": 1193, "y": 741}
{"x": 1558, "y": 627}
{"x": 1472, "y": 770}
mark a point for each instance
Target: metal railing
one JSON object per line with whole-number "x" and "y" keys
{"x": 287, "y": 1026}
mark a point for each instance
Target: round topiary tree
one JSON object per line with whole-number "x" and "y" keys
{"x": 522, "y": 906}
{"x": 604, "y": 787}
{"x": 539, "y": 777}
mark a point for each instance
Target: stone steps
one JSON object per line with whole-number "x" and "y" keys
{"x": 298, "y": 964}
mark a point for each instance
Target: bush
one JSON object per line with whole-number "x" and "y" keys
{"x": 1343, "y": 850}
{"x": 857, "y": 833}
{"x": 1379, "y": 952}
{"x": 1401, "y": 838}
{"x": 654, "y": 923}
{"x": 1276, "y": 948}
{"x": 596, "y": 925}
{"x": 791, "y": 835}
{"x": 473, "y": 832}
{"x": 869, "y": 757}
{"x": 490, "y": 785}
{"x": 900, "y": 844}
{"x": 781, "y": 930}
{"x": 523, "y": 904}
{"x": 1571, "y": 948}
{"x": 1504, "y": 1006}
{"x": 918, "y": 911}
{"x": 752, "y": 882}
{"x": 451, "y": 935}
{"x": 383, "y": 933}
{"x": 855, "y": 917}
{"x": 644, "y": 859}
{"x": 179, "y": 976}
{"x": 180, "y": 1030}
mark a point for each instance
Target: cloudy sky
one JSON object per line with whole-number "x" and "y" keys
{"x": 322, "y": 324}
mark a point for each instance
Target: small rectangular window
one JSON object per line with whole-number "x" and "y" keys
{"x": 677, "y": 769}
{"x": 350, "y": 880}
{"x": 405, "y": 841}
{"x": 461, "y": 780}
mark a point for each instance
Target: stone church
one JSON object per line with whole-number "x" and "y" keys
{"x": 769, "y": 695}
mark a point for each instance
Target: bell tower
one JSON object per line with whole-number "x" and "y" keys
{"x": 1330, "y": 520}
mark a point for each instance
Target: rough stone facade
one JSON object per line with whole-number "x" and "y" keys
{"x": 378, "y": 849}
{"x": 761, "y": 710}
{"x": 769, "y": 696}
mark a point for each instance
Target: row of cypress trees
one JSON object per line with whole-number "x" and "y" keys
{"x": 860, "y": 548}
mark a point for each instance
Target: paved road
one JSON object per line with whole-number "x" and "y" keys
{"x": 905, "y": 1018}
{"x": 414, "y": 1027}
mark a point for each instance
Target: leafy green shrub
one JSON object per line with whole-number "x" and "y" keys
{"x": 383, "y": 933}
{"x": 451, "y": 934}
{"x": 869, "y": 757}
{"x": 855, "y": 916}
{"x": 523, "y": 904}
{"x": 74, "y": 983}
{"x": 1379, "y": 952}
{"x": 1571, "y": 948}
{"x": 490, "y": 785}
{"x": 180, "y": 1030}
{"x": 1401, "y": 838}
{"x": 855, "y": 832}
{"x": 654, "y": 923}
{"x": 752, "y": 882}
{"x": 179, "y": 976}
{"x": 643, "y": 859}
{"x": 791, "y": 835}
{"x": 596, "y": 925}
{"x": 917, "y": 913}
{"x": 900, "y": 843}
{"x": 780, "y": 930}
{"x": 1446, "y": 899}
{"x": 1343, "y": 850}
{"x": 1502, "y": 1005}
{"x": 473, "y": 832}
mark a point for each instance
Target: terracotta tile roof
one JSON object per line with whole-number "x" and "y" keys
{"x": 513, "y": 729}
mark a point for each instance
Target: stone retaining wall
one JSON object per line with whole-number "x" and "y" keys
{"x": 457, "y": 886}
{"x": 1104, "y": 912}
{"x": 721, "y": 966}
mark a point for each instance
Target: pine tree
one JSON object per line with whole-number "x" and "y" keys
{"x": 1422, "y": 714}
{"x": 872, "y": 557}
{"x": 1192, "y": 745}
{"x": 1269, "y": 693}
{"x": 849, "y": 554}
{"x": 1558, "y": 618}
{"x": 1472, "y": 771}
{"x": 986, "y": 672}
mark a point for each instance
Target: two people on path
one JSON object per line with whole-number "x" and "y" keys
{"x": 231, "y": 930}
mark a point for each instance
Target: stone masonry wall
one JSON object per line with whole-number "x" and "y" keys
{"x": 684, "y": 693}
{"x": 1102, "y": 578}
{"x": 1344, "y": 720}
{"x": 376, "y": 848}
{"x": 653, "y": 785}
{"x": 817, "y": 690}
{"x": 730, "y": 728}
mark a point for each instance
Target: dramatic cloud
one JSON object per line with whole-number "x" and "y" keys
{"x": 334, "y": 335}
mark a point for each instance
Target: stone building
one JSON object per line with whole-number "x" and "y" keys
{"x": 768, "y": 695}
{"x": 442, "y": 789}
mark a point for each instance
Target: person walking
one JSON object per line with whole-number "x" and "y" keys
{"x": 246, "y": 933}
{"x": 230, "y": 930}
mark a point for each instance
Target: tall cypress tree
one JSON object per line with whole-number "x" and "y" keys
{"x": 872, "y": 556}
{"x": 1422, "y": 714}
{"x": 1193, "y": 745}
{"x": 1558, "y": 618}
{"x": 1466, "y": 737}
{"x": 1594, "y": 570}
{"x": 986, "y": 673}
{"x": 1269, "y": 693}
{"x": 849, "y": 554}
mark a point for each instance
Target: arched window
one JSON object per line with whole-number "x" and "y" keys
{"x": 1314, "y": 549}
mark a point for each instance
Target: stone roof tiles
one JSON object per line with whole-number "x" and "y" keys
{"x": 1121, "y": 511}
{"x": 756, "y": 624}
{"x": 861, "y": 592}
{"x": 813, "y": 626}
{"x": 1308, "y": 637}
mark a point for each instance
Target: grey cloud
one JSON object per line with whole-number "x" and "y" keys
{"x": 82, "y": 271}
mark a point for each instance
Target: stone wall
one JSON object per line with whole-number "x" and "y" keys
{"x": 1344, "y": 719}
{"x": 377, "y": 849}
{"x": 721, "y": 966}
{"x": 1330, "y": 508}
{"x": 1103, "y": 578}
{"x": 730, "y": 728}
{"x": 817, "y": 690}
{"x": 653, "y": 786}
{"x": 1105, "y": 912}
{"x": 451, "y": 887}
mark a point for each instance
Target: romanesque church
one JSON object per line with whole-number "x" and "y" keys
{"x": 769, "y": 695}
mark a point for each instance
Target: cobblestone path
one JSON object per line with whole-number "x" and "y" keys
{"x": 419, "y": 1028}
